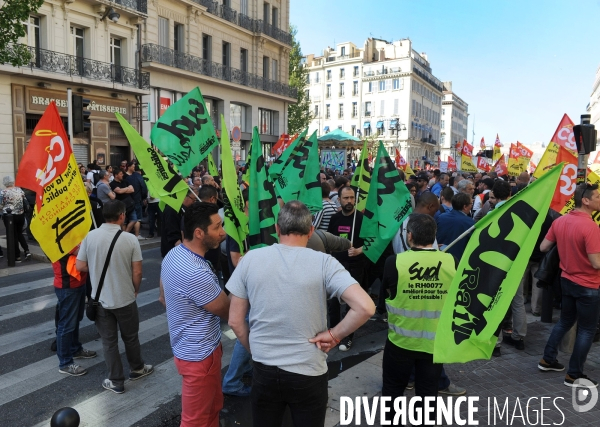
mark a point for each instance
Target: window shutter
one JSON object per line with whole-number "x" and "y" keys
{"x": 382, "y": 111}
{"x": 396, "y": 102}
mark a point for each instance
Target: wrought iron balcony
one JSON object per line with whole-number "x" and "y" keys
{"x": 165, "y": 56}
{"x": 56, "y": 62}
{"x": 139, "y": 5}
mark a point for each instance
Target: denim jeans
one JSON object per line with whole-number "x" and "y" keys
{"x": 443, "y": 383}
{"x": 579, "y": 304}
{"x": 109, "y": 322}
{"x": 71, "y": 303}
{"x": 154, "y": 214}
{"x": 273, "y": 389}
{"x": 239, "y": 365}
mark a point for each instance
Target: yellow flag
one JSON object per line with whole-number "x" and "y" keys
{"x": 548, "y": 160}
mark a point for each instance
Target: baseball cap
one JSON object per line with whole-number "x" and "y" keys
{"x": 423, "y": 176}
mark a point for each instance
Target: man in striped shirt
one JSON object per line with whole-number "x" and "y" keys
{"x": 321, "y": 219}
{"x": 195, "y": 305}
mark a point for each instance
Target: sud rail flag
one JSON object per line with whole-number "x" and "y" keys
{"x": 185, "y": 132}
{"x": 262, "y": 201}
{"x": 387, "y": 206}
{"x": 212, "y": 167}
{"x": 489, "y": 274}
{"x": 161, "y": 179}
{"x": 62, "y": 214}
{"x": 236, "y": 221}
{"x": 362, "y": 178}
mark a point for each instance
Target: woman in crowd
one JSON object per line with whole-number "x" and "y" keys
{"x": 13, "y": 198}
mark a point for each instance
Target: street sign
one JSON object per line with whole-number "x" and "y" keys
{"x": 236, "y": 134}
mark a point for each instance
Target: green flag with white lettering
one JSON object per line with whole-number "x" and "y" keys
{"x": 388, "y": 203}
{"x": 489, "y": 273}
{"x": 162, "y": 180}
{"x": 212, "y": 167}
{"x": 236, "y": 221}
{"x": 300, "y": 179}
{"x": 278, "y": 165}
{"x": 362, "y": 178}
{"x": 262, "y": 201}
{"x": 185, "y": 132}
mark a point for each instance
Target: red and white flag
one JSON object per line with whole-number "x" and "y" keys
{"x": 482, "y": 143}
{"x": 498, "y": 143}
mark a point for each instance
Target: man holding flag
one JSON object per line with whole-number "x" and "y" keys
{"x": 578, "y": 240}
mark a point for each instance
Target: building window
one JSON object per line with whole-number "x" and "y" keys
{"x": 354, "y": 88}
{"x": 32, "y": 30}
{"x": 381, "y": 85}
{"x": 395, "y": 84}
{"x": 443, "y": 111}
{"x": 355, "y": 72}
{"x": 341, "y": 89}
{"x": 266, "y": 13}
{"x": 226, "y": 60}
{"x": 307, "y": 95}
{"x": 327, "y": 111}
{"x": 354, "y": 109}
{"x": 328, "y": 75}
{"x": 443, "y": 125}
{"x": 178, "y": 38}
{"x": 368, "y": 109}
{"x": 382, "y": 109}
{"x": 353, "y": 130}
{"x": 369, "y": 87}
{"x": 163, "y": 32}
{"x": 237, "y": 116}
{"x": 266, "y": 62}
{"x": 115, "y": 51}
{"x": 244, "y": 60}
{"x": 316, "y": 110}
{"x": 275, "y": 17}
{"x": 244, "y": 7}
{"x": 77, "y": 48}
{"x": 207, "y": 47}
{"x": 367, "y": 131}
{"x": 317, "y": 78}
{"x": 342, "y": 73}
{"x": 343, "y": 50}
{"x": 328, "y": 91}
{"x": 341, "y": 111}
{"x": 274, "y": 71}
{"x": 267, "y": 120}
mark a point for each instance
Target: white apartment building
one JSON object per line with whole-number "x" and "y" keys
{"x": 382, "y": 90}
{"x": 454, "y": 123}
{"x": 236, "y": 51}
{"x": 138, "y": 57}
{"x": 594, "y": 105}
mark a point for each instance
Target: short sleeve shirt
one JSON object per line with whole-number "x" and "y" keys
{"x": 576, "y": 236}
{"x": 189, "y": 285}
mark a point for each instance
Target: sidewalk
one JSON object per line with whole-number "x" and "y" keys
{"x": 512, "y": 379}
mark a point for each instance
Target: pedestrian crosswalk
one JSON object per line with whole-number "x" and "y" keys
{"x": 29, "y": 369}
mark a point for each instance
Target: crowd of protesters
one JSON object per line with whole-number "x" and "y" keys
{"x": 286, "y": 316}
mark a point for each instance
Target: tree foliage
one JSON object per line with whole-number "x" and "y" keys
{"x": 13, "y": 13}
{"x": 298, "y": 114}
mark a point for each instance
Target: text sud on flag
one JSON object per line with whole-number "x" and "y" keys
{"x": 62, "y": 215}
{"x": 489, "y": 273}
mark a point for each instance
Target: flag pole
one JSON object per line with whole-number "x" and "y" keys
{"x": 458, "y": 238}
{"x": 190, "y": 188}
{"x": 354, "y": 219}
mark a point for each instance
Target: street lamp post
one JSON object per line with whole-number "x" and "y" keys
{"x": 399, "y": 127}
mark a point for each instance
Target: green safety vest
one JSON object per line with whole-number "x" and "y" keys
{"x": 424, "y": 278}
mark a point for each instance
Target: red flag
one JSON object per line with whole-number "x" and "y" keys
{"x": 451, "y": 163}
{"x": 467, "y": 149}
{"x": 597, "y": 158}
{"x": 282, "y": 143}
{"x": 514, "y": 152}
{"x": 564, "y": 135}
{"x": 483, "y": 164}
{"x": 532, "y": 167}
{"x": 500, "y": 167}
{"x": 498, "y": 143}
{"x": 482, "y": 143}
{"x": 458, "y": 146}
{"x": 568, "y": 179}
{"x": 47, "y": 155}
{"x": 398, "y": 157}
{"x": 524, "y": 151}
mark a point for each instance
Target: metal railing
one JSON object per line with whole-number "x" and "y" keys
{"x": 165, "y": 56}
{"x": 56, "y": 62}
{"x": 139, "y": 5}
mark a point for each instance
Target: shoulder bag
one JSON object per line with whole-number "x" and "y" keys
{"x": 92, "y": 307}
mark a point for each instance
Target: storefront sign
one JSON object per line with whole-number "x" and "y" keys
{"x": 165, "y": 103}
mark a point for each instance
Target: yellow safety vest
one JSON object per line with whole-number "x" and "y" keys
{"x": 424, "y": 278}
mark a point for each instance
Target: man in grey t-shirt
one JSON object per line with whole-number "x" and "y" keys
{"x": 286, "y": 287}
{"x": 103, "y": 190}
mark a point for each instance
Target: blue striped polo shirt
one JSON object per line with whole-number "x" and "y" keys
{"x": 189, "y": 285}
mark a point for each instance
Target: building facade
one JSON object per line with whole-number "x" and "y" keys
{"x": 380, "y": 91}
{"x": 454, "y": 123}
{"x": 138, "y": 57}
{"x": 236, "y": 51}
{"x": 594, "y": 105}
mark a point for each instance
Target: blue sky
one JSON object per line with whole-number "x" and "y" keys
{"x": 520, "y": 65}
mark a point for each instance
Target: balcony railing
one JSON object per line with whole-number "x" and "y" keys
{"x": 56, "y": 62}
{"x": 165, "y": 56}
{"x": 231, "y": 15}
{"x": 139, "y": 5}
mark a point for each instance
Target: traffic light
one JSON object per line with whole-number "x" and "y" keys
{"x": 81, "y": 114}
{"x": 585, "y": 135}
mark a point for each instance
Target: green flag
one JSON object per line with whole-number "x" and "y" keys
{"x": 278, "y": 165}
{"x": 212, "y": 167}
{"x": 262, "y": 207}
{"x": 362, "y": 178}
{"x": 236, "y": 221}
{"x": 388, "y": 203}
{"x": 185, "y": 132}
{"x": 489, "y": 273}
{"x": 300, "y": 179}
{"x": 162, "y": 180}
